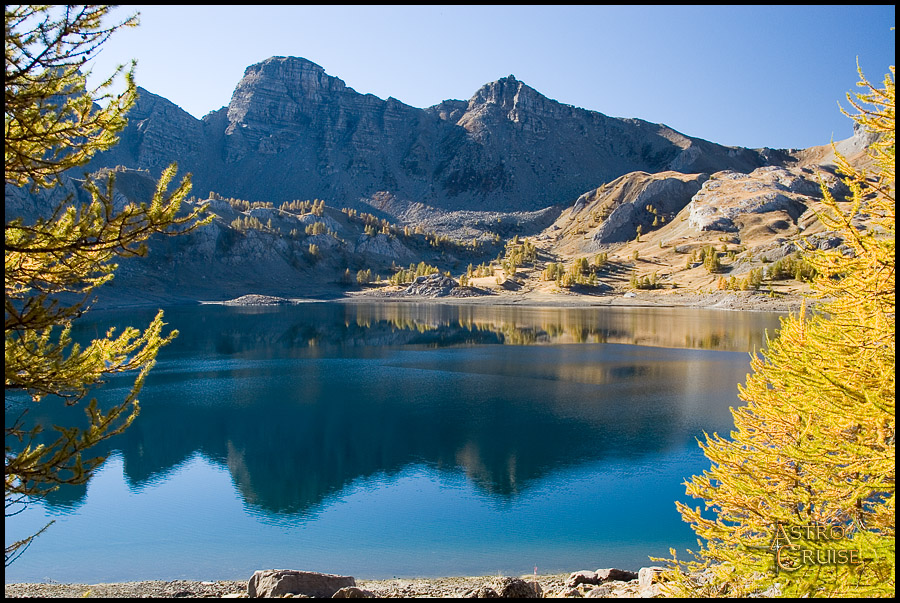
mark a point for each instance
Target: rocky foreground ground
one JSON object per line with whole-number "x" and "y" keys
{"x": 604, "y": 583}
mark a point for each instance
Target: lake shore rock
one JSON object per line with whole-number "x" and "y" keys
{"x": 254, "y": 299}
{"x": 278, "y": 583}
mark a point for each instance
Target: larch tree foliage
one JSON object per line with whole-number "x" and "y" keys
{"x": 802, "y": 492}
{"x": 54, "y": 123}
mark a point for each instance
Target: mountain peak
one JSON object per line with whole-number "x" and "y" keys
{"x": 280, "y": 81}
{"x": 503, "y": 92}
{"x": 280, "y": 62}
{"x": 295, "y": 74}
{"x": 508, "y": 99}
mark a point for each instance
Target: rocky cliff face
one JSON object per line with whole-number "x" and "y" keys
{"x": 291, "y": 131}
{"x": 730, "y": 195}
{"x": 617, "y": 211}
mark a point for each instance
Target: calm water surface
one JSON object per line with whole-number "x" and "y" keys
{"x": 397, "y": 440}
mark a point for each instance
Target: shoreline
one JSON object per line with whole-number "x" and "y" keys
{"x": 728, "y": 301}
{"x": 733, "y": 301}
{"x": 552, "y": 585}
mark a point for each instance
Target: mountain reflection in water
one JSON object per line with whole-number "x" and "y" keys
{"x": 300, "y": 401}
{"x": 353, "y": 325}
{"x": 395, "y": 440}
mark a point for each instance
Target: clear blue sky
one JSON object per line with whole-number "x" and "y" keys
{"x": 747, "y": 76}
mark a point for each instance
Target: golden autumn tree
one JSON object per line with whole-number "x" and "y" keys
{"x": 800, "y": 498}
{"x": 53, "y": 123}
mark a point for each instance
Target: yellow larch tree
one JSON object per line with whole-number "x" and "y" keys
{"x": 800, "y": 499}
{"x": 54, "y": 123}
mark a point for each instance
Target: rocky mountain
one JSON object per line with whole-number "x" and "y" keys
{"x": 447, "y": 185}
{"x": 291, "y": 131}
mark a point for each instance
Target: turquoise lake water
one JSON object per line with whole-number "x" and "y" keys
{"x": 397, "y": 440}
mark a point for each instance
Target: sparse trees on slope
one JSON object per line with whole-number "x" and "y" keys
{"x": 814, "y": 445}
{"x": 52, "y": 123}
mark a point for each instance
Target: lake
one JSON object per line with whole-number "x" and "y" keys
{"x": 397, "y": 439}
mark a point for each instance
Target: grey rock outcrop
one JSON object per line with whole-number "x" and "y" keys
{"x": 384, "y": 246}
{"x": 582, "y": 577}
{"x": 353, "y": 592}
{"x": 277, "y": 583}
{"x": 666, "y": 194}
{"x": 728, "y": 195}
{"x": 601, "y": 576}
{"x": 482, "y": 592}
{"x": 516, "y": 588}
{"x": 617, "y": 211}
{"x": 614, "y": 574}
{"x": 433, "y": 285}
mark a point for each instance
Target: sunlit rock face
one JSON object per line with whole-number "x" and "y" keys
{"x": 730, "y": 195}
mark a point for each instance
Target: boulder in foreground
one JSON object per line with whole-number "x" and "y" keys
{"x": 601, "y": 576}
{"x": 277, "y": 583}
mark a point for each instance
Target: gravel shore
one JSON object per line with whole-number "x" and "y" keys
{"x": 394, "y": 588}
